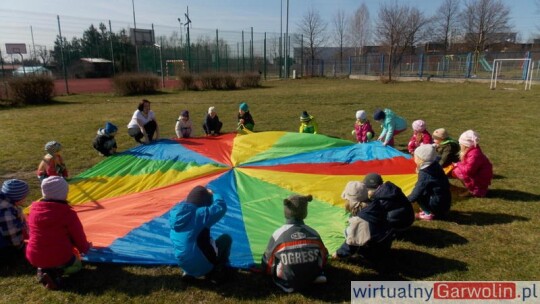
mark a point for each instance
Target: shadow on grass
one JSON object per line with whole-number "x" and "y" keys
{"x": 431, "y": 238}
{"x": 513, "y": 195}
{"x": 478, "y": 218}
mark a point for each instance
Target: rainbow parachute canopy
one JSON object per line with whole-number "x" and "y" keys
{"x": 124, "y": 201}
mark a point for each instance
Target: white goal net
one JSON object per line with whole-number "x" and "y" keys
{"x": 512, "y": 69}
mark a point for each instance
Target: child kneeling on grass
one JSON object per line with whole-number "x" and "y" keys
{"x": 57, "y": 237}
{"x": 197, "y": 253}
{"x": 367, "y": 234}
{"x": 105, "y": 143}
{"x": 295, "y": 255}
{"x": 432, "y": 190}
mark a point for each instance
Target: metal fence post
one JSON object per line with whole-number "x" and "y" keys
{"x": 243, "y": 55}
{"x": 468, "y": 66}
{"x": 217, "y": 50}
{"x": 264, "y": 56}
{"x": 421, "y": 66}
{"x": 350, "y": 65}
{"x": 525, "y": 73}
{"x": 382, "y": 64}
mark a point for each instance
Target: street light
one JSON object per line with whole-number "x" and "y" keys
{"x": 161, "y": 64}
{"x": 180, "y": 21}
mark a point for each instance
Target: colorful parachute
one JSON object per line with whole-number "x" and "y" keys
{"x": 124, "y": 201}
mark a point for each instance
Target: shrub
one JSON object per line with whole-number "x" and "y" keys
{"x": 250, "y": 80}
{"x": 32, "y": 89}
{"x": 188, "y": 82}
{"x": 229, "y": 82}
{"x": 135, "y": 84}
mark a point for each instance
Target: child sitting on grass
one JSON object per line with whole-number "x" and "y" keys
{"x": 183, "y": 126}
{"x": 368, "y": 233}
{"x": 308, "y": 124}
{"x": 432, "y": 189}
{"x": 105, "y": 143}
{"x": 474, "y": 168}
{"x": 13, "y": 229}
{"x": 197, "y": 253}
{"x": 52, "y": 163}
{"x": 362, "y": 128}
{"x": 295, "y": 256}
{"x": 420, "y": 136}
{"x": 446, "y": 147}
{"x": 245, "y": 120}
{"x": 57, "y": 236}
{"x": 212, "y": 125}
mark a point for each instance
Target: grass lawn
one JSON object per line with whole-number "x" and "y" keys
{"x": 492, "y": 238}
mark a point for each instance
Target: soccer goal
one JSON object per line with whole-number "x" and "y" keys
{"x": 512, "y": 69}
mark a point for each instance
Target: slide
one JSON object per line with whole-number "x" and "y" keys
{"x": 485, "y": 64}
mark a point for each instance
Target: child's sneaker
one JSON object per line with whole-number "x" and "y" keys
{"x": 48, "y": 280}
{"x": 284, "y": 288}
{"x": 320, "y": 279}
{"x": 424, "y": 216}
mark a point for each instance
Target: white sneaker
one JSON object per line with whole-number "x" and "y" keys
{"x": 286, "y": 289}
{"x": 320, "y": 279}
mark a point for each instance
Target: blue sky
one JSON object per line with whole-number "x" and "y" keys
{"x": 17, "y": 16}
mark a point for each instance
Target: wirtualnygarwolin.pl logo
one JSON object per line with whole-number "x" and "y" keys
{"x": 442, "y": 291}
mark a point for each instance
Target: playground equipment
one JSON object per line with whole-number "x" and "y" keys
{"x": 485, "y": 64}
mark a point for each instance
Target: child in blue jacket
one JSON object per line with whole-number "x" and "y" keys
{"x": 391, "y": 125}
{"x": 190, "y": 221}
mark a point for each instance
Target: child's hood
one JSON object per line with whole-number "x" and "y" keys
{"x": 182, "y": 215}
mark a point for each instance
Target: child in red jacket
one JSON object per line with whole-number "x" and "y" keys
{"x": 420, "y": 136}
{"x": 474, "y": 169}
{"x": 56, "y": 234}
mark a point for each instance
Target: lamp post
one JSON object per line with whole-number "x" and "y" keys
{"x": 161, "y": 65}
{"x": 180, "y": 22}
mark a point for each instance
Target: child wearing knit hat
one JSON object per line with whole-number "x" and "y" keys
{"x": 212, "y": 126}
{"x": 446, "y": 147}
{"x": 308, "y": 124}
{"x": 432, "y": 189}
{"x": 295, "y": 255}
{"x": 362, "y": 128}
{"x": 105, "y": 143}
{"x": 245, "y": 120}
{"x": 474, "y": 169}
{"x": 56, "y": 234}
{"x": 13, "y": 229}
{"x": 420, "y": 136}
{"x": 183, "y": 126}
{"x": 190, "y": 221}
{"x": 52, "y": 163}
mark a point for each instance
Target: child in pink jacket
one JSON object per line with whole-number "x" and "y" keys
{"x": 56, "y": 234}
{"x": 421, "y": 136}
{"x": 474, "y": 169}
{"x": 362, "y": 128}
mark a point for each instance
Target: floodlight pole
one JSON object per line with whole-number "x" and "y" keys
{"x": 188, "y": 23}
{"x": 135, "y": 33}
{"x": 62, "y": 54}
{"x": 287, "y": 46}
{"x": 180, "y": 22}
{"x": 33, "y": 44}
{"x": 161, "y": 63}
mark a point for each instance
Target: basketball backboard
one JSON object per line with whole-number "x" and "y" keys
{"x": 15, "y": 48}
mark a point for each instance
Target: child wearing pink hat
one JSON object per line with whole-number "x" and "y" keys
{"x": 474, "y": 168}
{"x": 421, "y": 136}
{"x": 56, "y": 234}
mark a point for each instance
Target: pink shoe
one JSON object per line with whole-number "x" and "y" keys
{"x": 423, "y": 216}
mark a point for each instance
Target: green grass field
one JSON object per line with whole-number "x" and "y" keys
{"x": 492, "y": 238}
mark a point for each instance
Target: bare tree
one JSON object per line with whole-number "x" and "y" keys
{"x": 313, "y": 29}
{"x": 399, "y": 28}
{"x": 484, "y": 21}
{"x": 446, "y": 22}
{"x": 360, "y": 28}
{"x": 340, "y": 25}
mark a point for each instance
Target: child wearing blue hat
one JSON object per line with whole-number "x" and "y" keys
{"x": 105, "y": 142}
{"x": 245, "y": 120}
{"x": 13, "y": 228}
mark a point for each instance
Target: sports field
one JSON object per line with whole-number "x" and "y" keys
{"x": 492, "y": 238}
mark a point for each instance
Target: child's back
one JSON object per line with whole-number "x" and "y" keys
{"x": 295, "y": 255}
